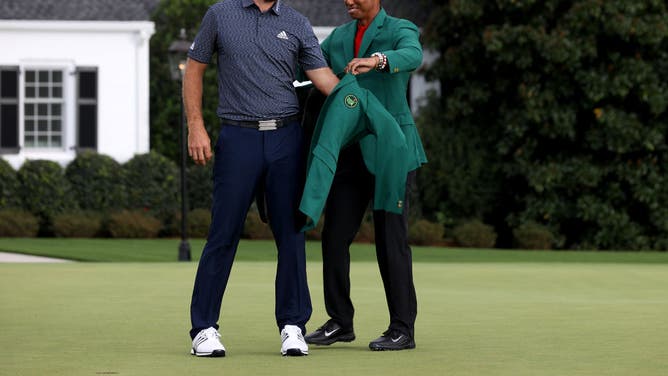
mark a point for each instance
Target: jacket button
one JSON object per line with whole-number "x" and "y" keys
{"x": 400, "y": 204}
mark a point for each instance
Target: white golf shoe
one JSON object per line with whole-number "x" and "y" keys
{"x": 207, "y": 343}
{"x": 293, "y": 343}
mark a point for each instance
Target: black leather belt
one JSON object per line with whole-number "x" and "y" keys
{"x": 261, "y": 125}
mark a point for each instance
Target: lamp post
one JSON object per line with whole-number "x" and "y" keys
{"x": 177, "y": 62}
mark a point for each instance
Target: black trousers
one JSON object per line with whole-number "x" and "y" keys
{"x": 351, "y": 192}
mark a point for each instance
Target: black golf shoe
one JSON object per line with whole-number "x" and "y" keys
{"x": 392, "y": 340}
{"x": 329, "y": 333}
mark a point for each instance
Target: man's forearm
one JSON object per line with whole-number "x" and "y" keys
{"x": 192, "y": 93}
{"x": 199, "y": 144}
{"x": 323, "y": 78}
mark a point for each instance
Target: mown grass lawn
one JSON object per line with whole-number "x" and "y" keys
{"x": 521, "y": 317}
{"x": 474, "y": 319}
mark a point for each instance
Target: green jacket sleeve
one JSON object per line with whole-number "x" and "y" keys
{"x": 407, "y": 53}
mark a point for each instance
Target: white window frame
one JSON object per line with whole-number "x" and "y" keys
{"x": 49, "y": 102}
{"x": 68, "y": 131}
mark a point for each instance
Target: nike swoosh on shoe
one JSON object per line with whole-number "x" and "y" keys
{"x": 395, "y": 340}
{"x": 327, "y": 334}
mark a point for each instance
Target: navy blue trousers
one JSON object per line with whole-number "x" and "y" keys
{"x": 244, "y": 156}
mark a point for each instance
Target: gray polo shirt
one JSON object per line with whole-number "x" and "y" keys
{"x": 258, "y": 56}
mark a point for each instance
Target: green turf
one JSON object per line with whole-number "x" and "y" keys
{"x": 474, "y": 319}
{"x": 154, "y": 250}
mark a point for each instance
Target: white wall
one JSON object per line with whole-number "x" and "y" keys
{"x": 120, "y": 51}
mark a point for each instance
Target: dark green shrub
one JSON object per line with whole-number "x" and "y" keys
{"x": 18, "y": 223}
{"x": 97, "y": 182}
{"x": 200, "y": 186}
{"x": 198, "y": 223}
{"x": 152, "y": 184}
{"x": 254, "y": 228}
{"x": 133, "y": 224}
{"x": 424, "y": 232}
{"x": 77, "y": 224}
{"x": 474, "y": 234}
{"x": 44, "y": 191}
{"x": 533, "y": 236}
{"x": 9, "y": 186}
{"x": 554, "y": 112}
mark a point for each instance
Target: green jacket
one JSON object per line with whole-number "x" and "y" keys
{"x": 348, "y": 114}
{"x": 399, "y": 40}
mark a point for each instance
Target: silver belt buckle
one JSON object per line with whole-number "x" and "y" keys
{"x": 267, "y": 125}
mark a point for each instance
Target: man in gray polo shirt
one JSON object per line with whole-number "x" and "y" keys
{"x": 259, "y": 45}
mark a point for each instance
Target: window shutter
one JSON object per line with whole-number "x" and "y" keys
{"x": 9, "y": 110}
{"x": 87, "y": 108}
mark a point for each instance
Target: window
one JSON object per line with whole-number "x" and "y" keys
{"x": 45, "y": 121}
{"x": 43, "y": 109}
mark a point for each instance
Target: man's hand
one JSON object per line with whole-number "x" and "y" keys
{"x": 362, "y": 65}
{"x": 199, "y": 144}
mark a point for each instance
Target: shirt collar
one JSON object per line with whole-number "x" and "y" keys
{"x": 276, "y": 8}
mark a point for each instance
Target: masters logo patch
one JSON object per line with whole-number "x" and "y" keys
{"x": 350, "y": 101}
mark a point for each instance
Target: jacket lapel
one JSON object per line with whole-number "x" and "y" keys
{"x": 349, "y": 41}
{"x": 371, "y": 32}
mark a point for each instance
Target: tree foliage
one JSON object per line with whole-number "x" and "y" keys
{"x": 552, "y": 112}
{"x": 170, "y": 17}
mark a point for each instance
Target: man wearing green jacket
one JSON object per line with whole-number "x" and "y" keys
{"x": 382, "y": 51}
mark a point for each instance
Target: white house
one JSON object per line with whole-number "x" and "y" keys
{"x": 74, "y": 75}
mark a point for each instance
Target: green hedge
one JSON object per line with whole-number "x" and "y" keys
{"x": 97, "y": 182}
{"x": 133, "y": 224}
{"x": 44, "y": 191}
{"x": 533, "y": 236}
{"x": 18, "y": 223}
{"x": 9, "y": 186}
{"x": 474, "y": 234}
{"x": 77, "y": 224}
{"x": 424, "y": 232}
{"x": 152, "y": 185}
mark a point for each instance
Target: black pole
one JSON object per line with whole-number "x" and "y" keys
{"x": 184, "y": 247}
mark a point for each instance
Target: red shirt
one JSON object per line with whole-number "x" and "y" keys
{"x": 358, "y": 37}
